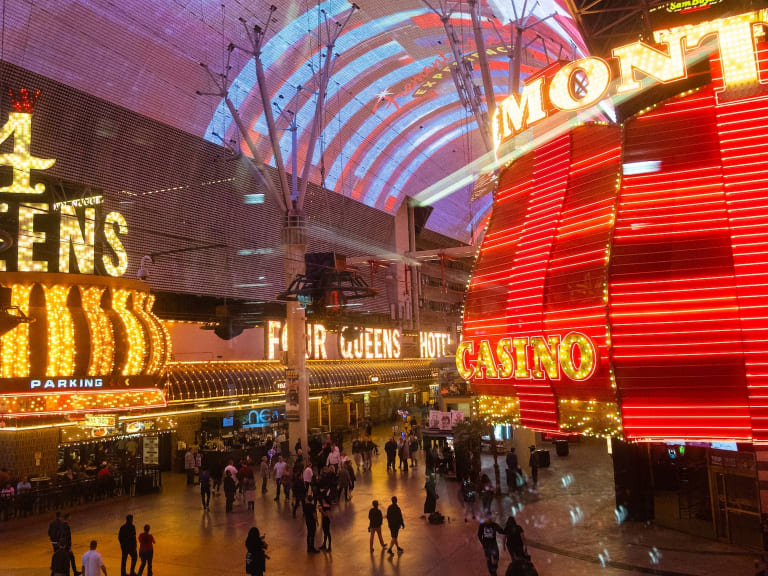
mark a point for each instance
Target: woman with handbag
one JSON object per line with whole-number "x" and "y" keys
{"x": 256, "y": 557}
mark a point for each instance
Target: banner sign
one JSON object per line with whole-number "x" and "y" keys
{"x": 151, "y": 450}
{"x": 291, "y": 395}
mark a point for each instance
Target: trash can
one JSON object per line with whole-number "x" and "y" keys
{"x": 561, "y": 447}
{"x": 543, "y": 458}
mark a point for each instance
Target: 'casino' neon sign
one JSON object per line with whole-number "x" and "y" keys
{"x": 736, "y": 36}
{"x": 522, "y": 358}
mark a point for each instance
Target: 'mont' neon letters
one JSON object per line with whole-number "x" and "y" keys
{"x": 736, "y": 44}
{"x": 522, "y": 358}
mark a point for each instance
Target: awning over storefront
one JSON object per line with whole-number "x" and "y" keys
{"x": 198, "y": 380}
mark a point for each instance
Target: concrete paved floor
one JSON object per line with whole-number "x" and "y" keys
{"x": 570, "y": 525}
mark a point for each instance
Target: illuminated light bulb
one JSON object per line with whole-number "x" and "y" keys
{"x": 28, "y": 237}
{"x": 100, "y": 329}
{"x": 14, "y": 344}
{"x": 142, "y": 310}
{"x": 61, "y": 332}
{"x": 136, "y": 341}
{"x": 561, "y": 92}
{"x": 19, "y": 125}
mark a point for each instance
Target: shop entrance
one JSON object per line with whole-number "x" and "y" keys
{"x": 735, "y": 497}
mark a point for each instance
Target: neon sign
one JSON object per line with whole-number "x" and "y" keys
{"x": 371, "y": 343}
{"x": 522, "y": 358}
{"x": 434, "y": 344}
{"x": 738, "y": 60}
{"x": 277, "y": 340}
{"x": 78, "y": 221}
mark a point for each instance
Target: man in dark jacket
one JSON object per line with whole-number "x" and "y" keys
{"x": 486, "y": 533}
{"x": 391, "y": 449}
{"x": 375, "y": 520}
{"x": 55, "y": 531}
{"x": 310, "y": 519}
{"x": 395, "y": 522}
{"x": 62, "y": 560}
{"x": 127, "y": 538}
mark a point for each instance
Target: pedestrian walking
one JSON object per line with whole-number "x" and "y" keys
{"x": 307, "y": 476}
{"x": 310, "y": 519}
{"x": 467, "y": 494}
{"x": 92, "y": 563}
{"x": 62, "y": 560}
{"x": 514, "y": 477}
{"x": 249, "y": 491}
{"x": 146, "y": 550}
{"x": 391, "y": 450}
{"x": 486, "y": 533}
{"x": 127, "y": 538}
{"x": 533, "y": 462}
{"x": 256, "y": 555}
{"x": 375, "y": 520}
{"x": 344, "y": 482}
{"x": 189, "y": 466}
{"x": 396, "y": 523}
{"x": 264, "y": 469}
{"x": 299, "y": 492}
{"x": 413, "y": 447}
{"x": 514, "y": 540}
{"x": 278, "y": 470}
{"x": 325, "y": 511}
{"x": 56, "y": 531}
{"x": 430, "y": 502}
{"x": 229, "y": 490}
{"x": 368, "y": 447}
{"x": 486, "y": 493}
{"x": 65, "y": 531}
{"x": 205, "y": 487}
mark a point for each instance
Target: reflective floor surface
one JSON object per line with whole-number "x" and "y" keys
{"x": 570, "y": 524}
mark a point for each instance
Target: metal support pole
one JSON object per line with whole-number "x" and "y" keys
{"x": 415, "y": 316}
{"x": 490, "y": 99}
{"x": 517, "y": 60}
{"x": 294, "y": 244}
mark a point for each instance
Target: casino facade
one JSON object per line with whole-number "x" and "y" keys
{"x": 620, "y": 290}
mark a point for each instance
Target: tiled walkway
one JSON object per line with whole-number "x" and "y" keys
{"x": 570, "y": 525}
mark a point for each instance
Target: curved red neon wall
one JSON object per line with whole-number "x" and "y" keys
{"x": 664, "y": 269}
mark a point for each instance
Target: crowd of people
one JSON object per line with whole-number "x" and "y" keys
{"x": 313, "y": 484}
{"x": 132, "y": 547}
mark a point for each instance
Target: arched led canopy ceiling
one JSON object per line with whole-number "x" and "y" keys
{"x": 394, "y": 121}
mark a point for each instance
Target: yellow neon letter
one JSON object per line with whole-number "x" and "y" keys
{"x": 521, "y": 357}
{"x": 466, "y": 371}
{"x": 735, "y": 41}
{"x": 545, "y": 356}
{"x": 516, "y": 112}
{"x": 507, "y": 365}
{"x": 70, "y": 233}
{"x": 598, "y": 75}
{"x": 587, "y": 362}
{"x": 112, "y": 219}
{"x": 485, "y": 360}
{"x": 28, "y": 237}
{"x": 19, "y": 126}
{"x": 651, "y": 62}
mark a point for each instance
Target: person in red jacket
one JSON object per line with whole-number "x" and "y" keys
{"x": 146, "y": 550}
